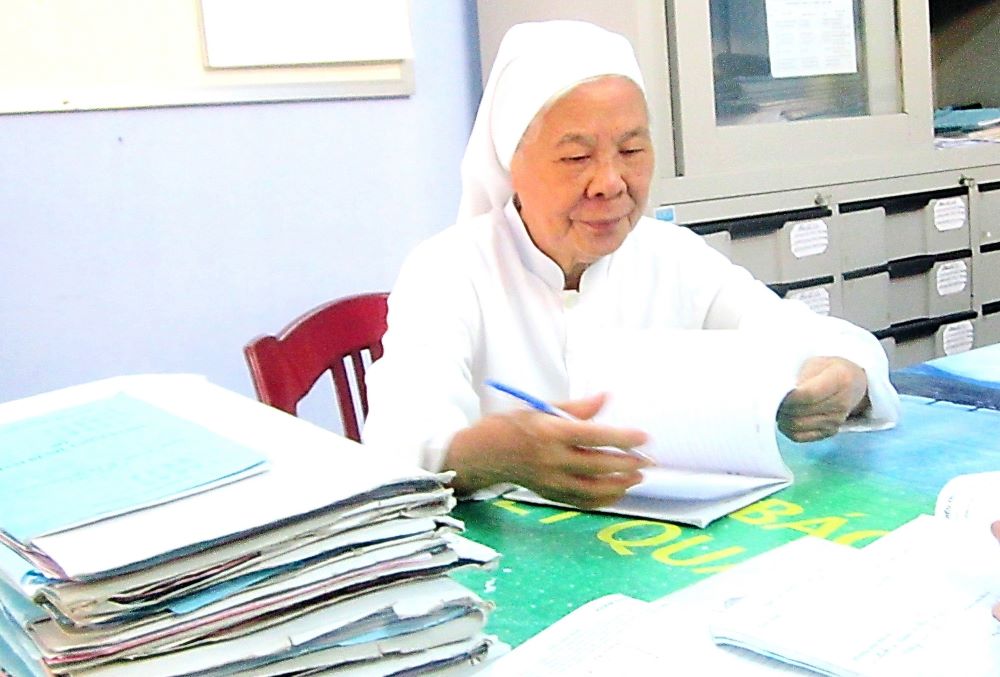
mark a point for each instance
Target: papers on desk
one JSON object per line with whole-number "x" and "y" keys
{"x": 619, "y": 634}
{"x": 916, "y": 602}
{"x": 321, "y": 556}
{"x": 712, "y": 429}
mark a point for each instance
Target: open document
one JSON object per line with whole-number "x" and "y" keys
{"x": 707, "y": 399}
{"x": 916, "y": 602}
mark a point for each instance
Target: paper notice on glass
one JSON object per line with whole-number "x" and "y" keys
{"x": 708, "y": 401}
{"x": 811, "y": 37}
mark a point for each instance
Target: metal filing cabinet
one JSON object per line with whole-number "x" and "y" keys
{"x": 988, "y": 324}
{"x": 823, "y": 295}
{"x": 864, "y": 262}
{"x": 930, "y": 285}
{"x": 777, "y": 247}
{"x": 986, "y": 244}
{"x": 926, "y": 338}
{"x": 930, "y": 222}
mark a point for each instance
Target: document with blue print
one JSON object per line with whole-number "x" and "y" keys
{"x": 117, "y": 454}
{"x": 707, "y": 399}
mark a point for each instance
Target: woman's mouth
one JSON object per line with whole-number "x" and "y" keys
{"x": 602, "y": 224}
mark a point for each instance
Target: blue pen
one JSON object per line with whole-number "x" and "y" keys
{"x": 546, "y": 408}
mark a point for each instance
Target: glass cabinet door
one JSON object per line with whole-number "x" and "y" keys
{"x": 779, "y": 61}
{"x": 778, "y": 84}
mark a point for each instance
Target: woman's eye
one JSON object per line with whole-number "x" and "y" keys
{"x": 632, "y": 151}
{"x": 575, "y": 158}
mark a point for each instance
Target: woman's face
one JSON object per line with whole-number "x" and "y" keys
{"x": 582, "y": 171}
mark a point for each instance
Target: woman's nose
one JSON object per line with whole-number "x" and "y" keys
{"x": 608, "y": 179}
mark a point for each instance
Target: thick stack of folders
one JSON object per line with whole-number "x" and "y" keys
{"x": 161, "y": 525}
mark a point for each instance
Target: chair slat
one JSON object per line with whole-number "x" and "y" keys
{"x": 284, "y": 367}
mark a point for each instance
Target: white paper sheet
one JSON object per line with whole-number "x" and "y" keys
{"x": 707, "y": 399}
{"x": 618, "y": 634}
{"x": 915, "y": 602}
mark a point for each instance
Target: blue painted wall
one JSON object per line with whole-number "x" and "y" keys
{"x": 164, "y": 239}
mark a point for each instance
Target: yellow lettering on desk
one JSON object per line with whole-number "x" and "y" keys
{"x": 766, "y": 511}
{"x": 513, "y": 507}
{"x": 821, "y": 527}
{"x": 608, "y": 535}
{"x": 667, "y": 552}
{"x": 559, "y": 517}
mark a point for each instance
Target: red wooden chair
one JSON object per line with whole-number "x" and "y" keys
{"x": 330, "y": 337}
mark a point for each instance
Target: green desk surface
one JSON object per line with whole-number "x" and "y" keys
{"x": 851, "y": 489}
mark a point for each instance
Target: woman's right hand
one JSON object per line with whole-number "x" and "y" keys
{"x": 553, "y": 457}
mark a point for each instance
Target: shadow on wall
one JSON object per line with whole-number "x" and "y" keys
{"x": 472, "y": 49}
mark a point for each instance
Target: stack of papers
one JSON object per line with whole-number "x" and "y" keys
{"x": 959, "y": 120}
{"x": 160, "y": 525}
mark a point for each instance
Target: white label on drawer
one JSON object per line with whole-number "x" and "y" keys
{"x": 817, "y": 298}
{"x": 809, "y": 238}
{"x": 949, "y": 213}
{"x": 958, "y": 337}
{"x": 952, "y": 277}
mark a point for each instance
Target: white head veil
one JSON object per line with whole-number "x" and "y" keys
{"x": 535, "y": 62}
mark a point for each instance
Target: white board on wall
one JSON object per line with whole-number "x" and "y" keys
{"x": 263, "y": 33}
{"x": 61, "y": 55}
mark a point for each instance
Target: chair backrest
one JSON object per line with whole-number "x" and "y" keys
{"x": 284, "y": 367}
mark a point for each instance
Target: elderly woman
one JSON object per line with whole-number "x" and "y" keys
{"x": 551, "y": 243}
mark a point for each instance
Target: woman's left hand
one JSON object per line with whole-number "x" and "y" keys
{"x": 829, "y": 390}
